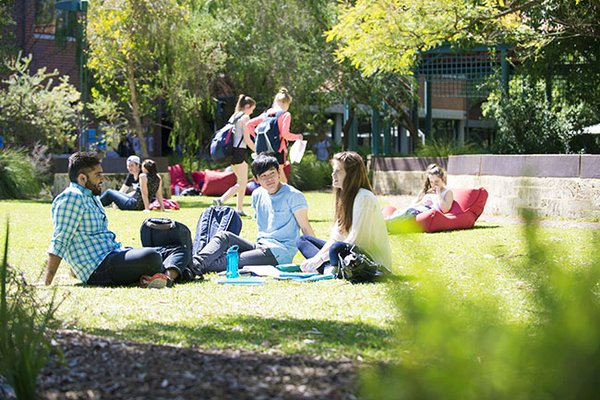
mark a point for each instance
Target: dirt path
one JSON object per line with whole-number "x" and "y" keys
{"x": 101, "y": 368}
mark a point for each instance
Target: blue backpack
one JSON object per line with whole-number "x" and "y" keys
{"x": 212, "y": 221}
{"x": 267, "y": 133}
{"x": 221, "y": 144}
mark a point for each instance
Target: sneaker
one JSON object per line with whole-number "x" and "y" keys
{"x": 156, "y": 281}
{"x": 241, "y": 213}
{"x": 217, "y": 202}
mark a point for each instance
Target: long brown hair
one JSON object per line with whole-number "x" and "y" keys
{"x": 432, "y": 169}
{"x": 243, "y": 101}
{"x": 356, "y": 178}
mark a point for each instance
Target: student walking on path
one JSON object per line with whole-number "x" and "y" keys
{"x": 241, "y": 140}
{"x": 281, "y": 104}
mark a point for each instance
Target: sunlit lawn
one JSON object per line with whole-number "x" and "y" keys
{"x": 330, "y": 318}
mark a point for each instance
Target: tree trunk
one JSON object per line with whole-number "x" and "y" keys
{"x": 135, "y": 109}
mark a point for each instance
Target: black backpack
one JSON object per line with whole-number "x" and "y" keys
{"x": 267, "y": 133}
{"x": 356, "y": 267}
{"x": 164, "y": 232}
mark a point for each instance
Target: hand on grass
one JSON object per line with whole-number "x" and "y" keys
{"x": 311, "y": 264}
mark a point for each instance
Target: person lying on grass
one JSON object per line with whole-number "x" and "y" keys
{"x": 281, "y": 212}
{"x": 357, "y": 222}
{"x": 81, "y": 237}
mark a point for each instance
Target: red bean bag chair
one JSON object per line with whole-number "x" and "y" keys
{"x": 198, "y": 178}
{"x": 468, "y": 205}
{"x": 216, "y": 182}
{"x": 178, "y": 180}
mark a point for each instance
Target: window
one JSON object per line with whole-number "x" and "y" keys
{"x": 50, "y": 21}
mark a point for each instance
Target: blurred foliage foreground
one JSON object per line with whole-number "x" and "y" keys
{"x": 450, "y": 347}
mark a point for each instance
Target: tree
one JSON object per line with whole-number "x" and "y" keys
{"x": 552, "y": 40}
{"x": 35, "y": 109}
{"x": 132, "y": 53}
{"x": 7, "y": 47}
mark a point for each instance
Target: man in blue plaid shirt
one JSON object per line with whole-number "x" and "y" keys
{"x": 81, "y": 237}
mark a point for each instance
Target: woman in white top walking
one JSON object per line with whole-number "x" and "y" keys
{"x": 241, "y": 138}
{"x": 358, "y": 220}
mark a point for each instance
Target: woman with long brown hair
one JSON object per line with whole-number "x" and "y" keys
{"x": 358, "y": 220}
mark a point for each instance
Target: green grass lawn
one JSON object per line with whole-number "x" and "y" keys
{"x": 329, "y": 318}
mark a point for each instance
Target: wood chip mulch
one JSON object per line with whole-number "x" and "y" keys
{"x": 95, "y": 367}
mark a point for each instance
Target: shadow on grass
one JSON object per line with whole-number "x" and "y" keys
{"x": 291, "y": 336}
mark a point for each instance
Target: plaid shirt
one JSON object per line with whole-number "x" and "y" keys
{"x": 81, "y": 234}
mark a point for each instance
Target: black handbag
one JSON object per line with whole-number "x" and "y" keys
{"x": 357, "y": 267}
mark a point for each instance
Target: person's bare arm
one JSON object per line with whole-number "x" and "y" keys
{"x": 446, "y": 201}
{"x": 159, "y": 195}
{"x": 51, "y": 268}
{"x": 301, "y": 216}
{"x": 144, "y": 191}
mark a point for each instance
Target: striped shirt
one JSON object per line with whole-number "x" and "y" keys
{"x": 81, "y": 234}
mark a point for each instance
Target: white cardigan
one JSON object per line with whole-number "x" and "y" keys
{"x": 368, "y": 229}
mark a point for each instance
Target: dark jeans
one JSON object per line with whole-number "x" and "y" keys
{"x": 212, "y": 258}
{"x": 124, "y": 267}
{"x": 309, "y": 246}
{"x": 122, "y": 200}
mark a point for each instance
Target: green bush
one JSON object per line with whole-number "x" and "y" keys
{"x": 36, "y": 108}
{"x": 18, "y": 175}
{"x": 452, "y": 347}
{"x": 310, "y": 173}
{"x": 24, "y": 341}
{"x": 444, "y": 147}
{"x": 528, "y": 123}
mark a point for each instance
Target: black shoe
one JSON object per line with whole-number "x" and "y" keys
{"x": 241, "y": 213}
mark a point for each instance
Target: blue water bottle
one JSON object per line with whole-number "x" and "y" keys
{"x": 232, "y": 262}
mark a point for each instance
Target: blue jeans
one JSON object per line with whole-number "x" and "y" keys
{"x": 124, "y": 267}
{"x": 122, "y": 200}
{"x": 212, "y": 257}
{"x": 309, "y": 246}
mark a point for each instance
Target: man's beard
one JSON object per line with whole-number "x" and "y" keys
{"x": 96, "y": 190}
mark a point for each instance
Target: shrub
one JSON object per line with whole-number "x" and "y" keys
{"x": 454, "y": 348}
{"x": 18, "y": 175}
{"x": 310, "y": 174}
{"x": 24, "y": 342}
{"x": 37, "y": 109}
{"x": 444, "y": 147}
{"x": 527, "y": 122}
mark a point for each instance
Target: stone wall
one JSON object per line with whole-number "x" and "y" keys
{"x": 557, "y": 186}
{"x": 111, "y": 181}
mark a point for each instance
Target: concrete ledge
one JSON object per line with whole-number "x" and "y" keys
{"x": 590, "y": 166}
{"x": 111, "y": 181}
{"x": 405, "y": 163}
{"x": 556, "y": 186}
{"x": 60, "y": 164}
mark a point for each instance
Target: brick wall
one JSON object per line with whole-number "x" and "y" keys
{"x": 45, "y": 50}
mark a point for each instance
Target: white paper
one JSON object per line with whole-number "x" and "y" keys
{"x": 263, "y": 270}
{"x": 297, "y": 151}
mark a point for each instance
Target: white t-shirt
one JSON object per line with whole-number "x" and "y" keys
{"x": 368, "y": 229}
